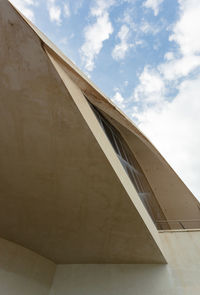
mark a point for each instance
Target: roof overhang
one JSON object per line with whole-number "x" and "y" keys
{"x": 64, "y": 193}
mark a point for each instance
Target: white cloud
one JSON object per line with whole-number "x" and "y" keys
{"x": 173, "y": 123}
{"x": 175, "y": 130}
{"x": 118, "y": 99}
{"x": 67, "y": 10}
{"x": 181, "y": 62}
{"x": 128, "y": 19}
{"x": 25, "y": 6}
{"x": 178, "y": 68}
{"x": 169, "y": 56}
{"x": 186, "y": 36}
{"x": 130, "y": 30}
{"x": 186, "y": 30}
{"x": 154, "y": 5}
{"x": 54, "y": 11}
{"x": 122, "y": 47}
{"x": 148, "y": 28}
{"x": 151, "y": 88}
{"x": 96, "y": 33}
{"x": 101, "y": 6}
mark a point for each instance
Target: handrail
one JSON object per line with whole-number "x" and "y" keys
{"x": 179, "y": 222}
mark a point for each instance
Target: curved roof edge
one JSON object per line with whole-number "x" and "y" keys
{"x": 94, "y": 94}
{"x": 99, "y": 99}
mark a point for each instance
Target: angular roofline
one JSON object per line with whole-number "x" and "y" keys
{"x": 94, "y": 94}
{"x": 100, "y": 99}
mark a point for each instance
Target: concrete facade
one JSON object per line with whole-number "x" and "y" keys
{"x": 71, "y": 219}
{"x": 61, "y": 179}
{"x": 25, "y": 272}
{"x": 179, "y": 277}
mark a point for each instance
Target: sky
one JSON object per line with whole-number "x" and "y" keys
{"x": 145, "y": 56}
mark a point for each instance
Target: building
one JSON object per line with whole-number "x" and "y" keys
{"x": 88, "y": 205}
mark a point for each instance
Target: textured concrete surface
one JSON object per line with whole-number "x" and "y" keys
{"x": 179, "y": 277}
{"x": 52, "y": 204}
{"x": 175, "y": 199}
{"x": 23, "y": 272}
{"x": 59, "y": 193}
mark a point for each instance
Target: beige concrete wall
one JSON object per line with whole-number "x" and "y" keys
{"x": 60, "y": 195}
{"x": 144, "y": 240}
{"x": 180, "y": 277}
{"x": 176, "y": 201}
{"x": 23, "y": 272}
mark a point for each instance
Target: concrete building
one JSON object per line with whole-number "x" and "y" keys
{"x": 88, "y": 205}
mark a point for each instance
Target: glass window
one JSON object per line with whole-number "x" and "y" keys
{"x": 132, "y": 168}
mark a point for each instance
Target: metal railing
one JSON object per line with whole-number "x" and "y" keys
{"x": 178, "y": 224}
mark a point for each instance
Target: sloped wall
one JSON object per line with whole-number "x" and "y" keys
{"x": 23, "y": 272}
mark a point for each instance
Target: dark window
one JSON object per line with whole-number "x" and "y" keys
{"x": 131, "y": 167}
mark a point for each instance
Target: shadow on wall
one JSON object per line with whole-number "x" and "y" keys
{"x": 23, "y": 272}
{"x": 112, "y": 279}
